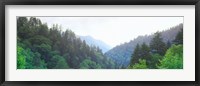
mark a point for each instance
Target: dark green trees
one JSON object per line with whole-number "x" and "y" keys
{"x": 173, "y": 58}
{"x": 41, "y": 47}
{"x": 157, "y": 45}
{"x": 88, "y": 64}
{"x": 141, "y": 57}
{"x": 179, "y": 37}
{"x": 159, "y": 55}
{"x": 136, "y": 55}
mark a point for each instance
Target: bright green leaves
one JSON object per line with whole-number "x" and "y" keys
{"x": 159, "y": 56}
{"x": 26, "y": 59}
{"x": 173, "y": 58}
{"x": 141, "y": 65}
{"x": 42, "y": 47}
{"x": 21, "y": 58}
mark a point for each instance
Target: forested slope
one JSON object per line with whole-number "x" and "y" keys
{"x": 121, "y": 54}
{"x": 41, "y": 47}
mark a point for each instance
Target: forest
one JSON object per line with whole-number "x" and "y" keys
{"x": 122, "y": 54}
{"x": 40, "y": 47}
{"x": 43, "y": 47}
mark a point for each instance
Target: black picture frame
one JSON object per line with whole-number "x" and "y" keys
{"x": 98, "y": 2}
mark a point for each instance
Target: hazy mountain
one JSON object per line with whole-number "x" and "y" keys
{"x": 121, "y": 54}
{"x": 92, "y": 41}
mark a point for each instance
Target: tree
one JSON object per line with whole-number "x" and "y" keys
{"x": 21, "y": 58}
{"x": 141, "y": 65}
{"x": 145, "y": 53}
{"x": 21, "y": 21}
{"x": 59, "y": 62}
{"x": 27, "y": 59}
{"x": 23, "y": 29}
{"x": 168, "y": 44}
{"x": 155, "y": 59}
{"x": 157, "y": 45}
{"x": 37, "y": 62}
{"x": 179, "y": 37}
{"x": 41, "y": 47}
{"x": 173, "y": 58}
{"x": 43, "y": 30}
{"x": 136, "y": 55}
{"x": 88, "y": 64}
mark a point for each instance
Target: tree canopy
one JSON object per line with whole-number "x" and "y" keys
{"x": 39, "y": 47}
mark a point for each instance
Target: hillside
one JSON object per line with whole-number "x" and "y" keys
{"x": 121, "y": 54}
{"x": 43, "y": 47}
{"x": 94, "y": 42}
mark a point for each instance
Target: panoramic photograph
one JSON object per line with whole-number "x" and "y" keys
{"x": 102, "y": 42}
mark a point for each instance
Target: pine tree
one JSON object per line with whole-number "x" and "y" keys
{"x": 179, "y": 37}
{"x": 157, "y": 45}
{"x": 136, "y": 55}
{"x": 168, "y": 44}
{"x": 145, "y": 53}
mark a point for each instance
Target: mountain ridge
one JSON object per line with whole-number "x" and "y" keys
{"x": 95, "y": 42}
{"x": 121, "y": 54}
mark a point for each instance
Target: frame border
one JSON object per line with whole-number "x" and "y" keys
{"x": 3, "y": 3}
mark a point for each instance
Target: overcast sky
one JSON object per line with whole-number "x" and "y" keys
{"x": 113, "y": 30}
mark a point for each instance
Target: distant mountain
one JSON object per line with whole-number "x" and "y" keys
{"x": 121, "y": 54}
{"x": 92, "y": 41}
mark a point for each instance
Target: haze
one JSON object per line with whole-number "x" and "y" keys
{"x": 113, "y": 30}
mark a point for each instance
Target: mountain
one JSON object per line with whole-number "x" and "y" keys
{"x": 121, "y": 54}
{"x": 92, "y": 41}
{"x": 41, "y": 47}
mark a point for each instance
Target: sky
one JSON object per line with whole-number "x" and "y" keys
{"x": 113, "y": 30}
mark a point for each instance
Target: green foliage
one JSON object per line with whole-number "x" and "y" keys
{"x": 154, "y": 60}
{"x": 59, "y": 62}
{"x": 145, "y": 53}
{"x": 173, "y": 58}
{"x": 122, "y": 54}
{"x": 21, "y": 58}
{"x": 157, "y": 56}
{"x": 88, "y": 64}
{"x": 141, "y": 65}
{"x": 179, "y": 37}
{"x": 42, "y": 47}
{"x": 135, "y": 56}
{"x": 26, "y": 59}
{"x": 39, "y": 39}
{"x": 141, "y": 52}
{"x": 157, "y": 45}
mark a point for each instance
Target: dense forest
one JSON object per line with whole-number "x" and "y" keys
{"x": 43, "y": 47}
{"x": 121, "y": 54}
{"x": 158, "y": 55}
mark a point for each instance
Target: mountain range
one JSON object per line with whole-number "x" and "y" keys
{"x": 121, "y": 54}
{"x": 92, "y": 41}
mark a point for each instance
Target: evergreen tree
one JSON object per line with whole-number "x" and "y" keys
{"x": 157, "y": 45}
{"x": 179, "y": 37}
{"x": 136, "y": 55}
{"x": 168, "y": 44}
{"x": 42, "y": 47}
{"x": 145, "y": 53}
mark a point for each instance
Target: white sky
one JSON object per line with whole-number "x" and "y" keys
{"x": 113, "y": 30}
